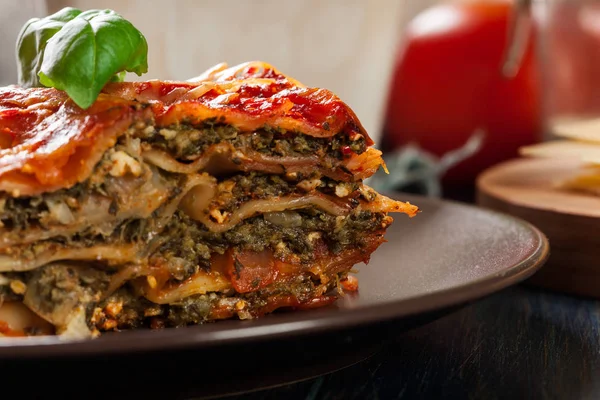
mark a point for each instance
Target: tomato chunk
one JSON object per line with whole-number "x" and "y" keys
{"x": 250, "y": 271}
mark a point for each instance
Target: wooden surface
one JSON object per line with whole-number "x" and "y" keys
{"x": 521, "y": 343}
{"x": 526, "y": 188}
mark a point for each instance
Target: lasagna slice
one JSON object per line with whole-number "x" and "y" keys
{"x": 174, "y": 203}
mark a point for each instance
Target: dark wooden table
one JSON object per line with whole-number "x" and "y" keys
{"x": 521, "y": 343}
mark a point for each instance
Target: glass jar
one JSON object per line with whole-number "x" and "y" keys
{"x": 569, "y": 54}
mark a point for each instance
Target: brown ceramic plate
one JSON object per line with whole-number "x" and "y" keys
{"x": 449, "y": 254}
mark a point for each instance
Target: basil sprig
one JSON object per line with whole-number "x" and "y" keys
{"x": 79, "y": 52}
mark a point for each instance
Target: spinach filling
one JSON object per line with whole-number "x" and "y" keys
{"x": 240, "y": 188}
{"x": 190, "y": 245}
{"x": 59, "y": 207}
{"x": 21, "y": 213}
{"x": 135, "y": 312}
{"x": 288, "y": 233}
{"x": 187, "y": 142}
{"x": 184, "y": 142}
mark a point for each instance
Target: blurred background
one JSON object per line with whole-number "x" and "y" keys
{"x": 445, "y": 88}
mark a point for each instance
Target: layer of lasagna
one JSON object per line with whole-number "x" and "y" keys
{"x": 173, "y": 203}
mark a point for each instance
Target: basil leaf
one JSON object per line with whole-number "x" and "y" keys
{"x": 79, "y": 52}
{"x": 88, "y": 51}
{"x": 32, "y": 40}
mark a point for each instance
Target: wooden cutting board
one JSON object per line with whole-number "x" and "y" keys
{"x": 526, "y": 189}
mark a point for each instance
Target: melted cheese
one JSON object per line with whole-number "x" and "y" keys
{"x": 53, "y": 144}
{"x": 253, "y": 69}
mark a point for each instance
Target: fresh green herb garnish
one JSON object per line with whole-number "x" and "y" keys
{"x": 79, "y": 52}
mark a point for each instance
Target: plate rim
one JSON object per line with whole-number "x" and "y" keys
{"x": 295, "y": 323}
